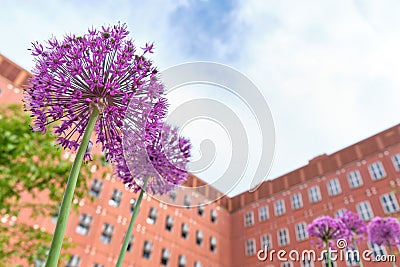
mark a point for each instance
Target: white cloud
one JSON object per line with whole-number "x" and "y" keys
{"x": 328, "y": 70}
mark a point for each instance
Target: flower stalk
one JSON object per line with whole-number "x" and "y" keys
{"x": 58, "y": 237}
{"x": 125, "y": 244}
{"x": 328, "y": 253}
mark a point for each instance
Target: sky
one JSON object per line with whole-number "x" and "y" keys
{"x": 327, "y": 69}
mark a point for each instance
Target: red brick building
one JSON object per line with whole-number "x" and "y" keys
{"x": 363, "y": 177}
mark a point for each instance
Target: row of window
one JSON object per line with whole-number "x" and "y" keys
{"x": 353, "y": 259}
{"x": 364, "y": 210}
{"x": 282, "y": 237}
{"x": 388, "y": 201}
{"x": 116, "y": 198}
{"x": 75, "y": 260}
{"x": 85, "y": 223}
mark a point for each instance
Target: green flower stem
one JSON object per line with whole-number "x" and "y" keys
{"x": 58, "y": 237}
{"x": 131, "y": 224}
{"x": 356, "y": 249}
{"x": 328, "y": 253}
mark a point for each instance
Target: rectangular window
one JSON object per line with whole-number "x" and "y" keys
{"x": 352, "y": 257}
{"x": 354, "y": 179}
{"x": 307, "y": 263}
{"x": 107, "y": 233}
{"x": 169, "y": 223}
{"x": 74, "y": 261}
{"x": 378, "y": 251}
{"x": 263, "y": 213}
{"x": 147, "y": 249}
{"x": 213, "y": 244}
{"x": 301, "y": 231}
{"x": 376, "y": 170}
{"x": 266, "y": 241}
{"x": 297, "y": 201}
{"x": 96, "y": 188}
{"x": 152, "y": 218}
{"x": 186, "y": 201}
{"x": 200, "y": 210}
{"x": 249, "y": 219}
{"x": 165, "y": 255}
{"x": 250, "y": 247}
{"x": 84, "y": 224}
{"x": 213, "y": 216}
{"x": 172, "y": 195}
{"x": 184, "y": 230}
{"x": 182, "y": 261}
{"x": 325, "y": 262}
{"x": 334, "y": 187}
{"x": 283, "y": 237}
{"x": 339, "y": 213}
{"x": 130, "y": 244}
{"x": 115, "y": 198}
{"x": 199, "y": 237}
{"x": 396, "y": 161}
{"x": 389, "y": 203}
{"x": 315, "y": 194}
{"x": 279, "y": 207}
{"x": 364, "y": 210}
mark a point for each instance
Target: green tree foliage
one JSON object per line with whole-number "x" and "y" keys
{"x": 31, "y": 165}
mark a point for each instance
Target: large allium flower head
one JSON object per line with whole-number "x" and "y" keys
{"x": 355, "y": 226}
{"x": 327, "y": 229}
{"x": 161, "y": 159}
{"x": 384, "y": 231}
{"x": 98, "y": 70}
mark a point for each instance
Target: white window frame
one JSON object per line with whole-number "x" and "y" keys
{"x": 279, "y": 207}
{"x": 339, "y": 213}
{"x": 301, "y": 231}
{"x": 107, "y": 233}
{"x": 333, "y": 186}
{"x": 396, "y": 161}
{"x": 389, "y": 203}
{"x": 266, "y": 240}
{"x": 85, "y": 222}
{"x": 74, "y": 261}
{"x": 376, "y": 170}
{"x": 283, "y": 237}
{"x": 263, "y": 213}
{"x": 314, "y": 194}
{"x": 377, "y": 249}
{"x": 249, "y": 219}
{"x": 250, "y": 247}
{"x": 355, "y": 179}
{"x": 296, "y": 200}
{"x": 116, "y": 198}
{"x": 307, "y": 263}
{"x": 364, "y": 210}
{"x": 350, "y": 261}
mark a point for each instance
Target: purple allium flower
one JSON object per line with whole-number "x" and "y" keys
{"x": 99, "y": 69}
{"x": 384, "y": 231}
{"x": 162, "y": 158}
{"x": 356, "y": 228}
{"x": 326, "y": 229}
